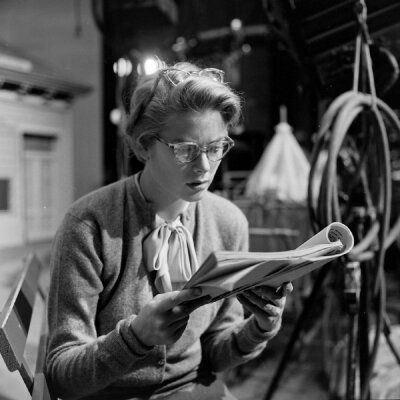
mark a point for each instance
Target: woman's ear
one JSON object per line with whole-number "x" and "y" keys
{"x": 144, "y": 147}
{"x": 145, "y": 150}
{"x": 144, "y": 153}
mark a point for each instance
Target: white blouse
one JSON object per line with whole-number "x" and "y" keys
{"x": 169, "y": 250}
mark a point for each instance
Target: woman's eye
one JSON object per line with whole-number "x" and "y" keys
{"x": 186, "y": 149}
{"x": 218, "y": 148}
{"x": 215, "y": 150}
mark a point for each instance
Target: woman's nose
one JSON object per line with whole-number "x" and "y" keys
{"x": 202, "y": 163}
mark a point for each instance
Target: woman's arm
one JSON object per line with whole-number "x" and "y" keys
{"x": 78, "y": 361}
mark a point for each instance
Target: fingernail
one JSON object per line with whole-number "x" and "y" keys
{"x": 287, "y": 289}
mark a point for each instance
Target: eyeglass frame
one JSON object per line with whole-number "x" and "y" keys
{"x": 199, "y": 73}
{"x": 201, "y": 149}
{"x": 163, "y": 73}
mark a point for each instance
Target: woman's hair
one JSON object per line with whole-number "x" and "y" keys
{"x": 195, "y": 94}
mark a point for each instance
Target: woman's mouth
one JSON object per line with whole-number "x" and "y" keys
{"x": 198, "y": 185}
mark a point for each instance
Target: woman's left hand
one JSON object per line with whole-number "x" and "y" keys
{"x": 266, "y": 304}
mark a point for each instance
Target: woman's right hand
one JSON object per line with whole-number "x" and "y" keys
{"x": 164, "y": 319}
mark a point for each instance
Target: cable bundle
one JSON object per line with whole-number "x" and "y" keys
{"x": 350, "y": 165}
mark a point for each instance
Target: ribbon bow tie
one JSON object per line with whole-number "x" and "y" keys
{"x": 169, "y": 250}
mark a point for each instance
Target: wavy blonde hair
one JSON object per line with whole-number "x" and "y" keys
{"x": 195, "y": 94}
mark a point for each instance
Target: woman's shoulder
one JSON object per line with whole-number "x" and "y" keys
{"x": 101, "y": 194}
{"x": 105, "y": 201}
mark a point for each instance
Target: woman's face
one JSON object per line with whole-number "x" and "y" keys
{"x": 164, "y": 179}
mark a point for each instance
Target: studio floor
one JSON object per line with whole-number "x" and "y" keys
{"x": 304, "y": 376}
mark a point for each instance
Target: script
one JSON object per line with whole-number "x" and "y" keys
{"x": 226, "y": 273}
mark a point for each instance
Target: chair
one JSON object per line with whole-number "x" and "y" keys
{"x": 26, "y": 297}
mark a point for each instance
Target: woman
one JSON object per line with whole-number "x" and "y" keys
{"x": 120, "y": 327}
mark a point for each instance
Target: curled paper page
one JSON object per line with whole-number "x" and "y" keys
{"x": 227, "y": 273}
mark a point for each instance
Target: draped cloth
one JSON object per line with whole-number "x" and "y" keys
{"x": 169, "y": 250}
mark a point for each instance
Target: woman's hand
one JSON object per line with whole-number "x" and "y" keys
{"x": 266, "y": 304}
{"x": 164, "y": 319}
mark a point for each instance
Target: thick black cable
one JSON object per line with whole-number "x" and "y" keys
{"x": 325, "y": 207}
{"x": 349, "y": 110}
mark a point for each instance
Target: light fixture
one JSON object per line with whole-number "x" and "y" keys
{"x": 115, "y": 116}
{"x": 236, "y": 24}
{"x": 122, "y": 67}
{"x": 150, "y": 65}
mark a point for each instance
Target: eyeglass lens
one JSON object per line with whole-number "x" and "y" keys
{"x": 176, "y": 76}
{"x": 187, "y": 152}
{"x": 215, "y": 74}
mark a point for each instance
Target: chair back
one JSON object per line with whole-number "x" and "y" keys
{"x": 16, "y": 324}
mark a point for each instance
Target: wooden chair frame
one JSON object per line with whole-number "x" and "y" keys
{"x": 15, "y": 325}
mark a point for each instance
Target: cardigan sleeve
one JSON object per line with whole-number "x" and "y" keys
{"x": 78, "y": 361}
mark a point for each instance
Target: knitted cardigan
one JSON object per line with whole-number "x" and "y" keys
{"x": 99, "y": 283}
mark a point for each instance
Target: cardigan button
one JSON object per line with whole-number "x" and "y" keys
{"x": 161, "y": 362}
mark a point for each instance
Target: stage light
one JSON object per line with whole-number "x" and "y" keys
{"x": 150, "y": 66}
{"x": 236, "y": 24}
{"x": 122, "y": 67}
{"x": 246, "y": 48}
{"x": 115, "y": 116}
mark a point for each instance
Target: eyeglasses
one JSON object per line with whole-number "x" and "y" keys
{"x": 175, "y": 76}
{"x": 186, "y": 152}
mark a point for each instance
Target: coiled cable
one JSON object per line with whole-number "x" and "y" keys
{"x": 334, "y": 139}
